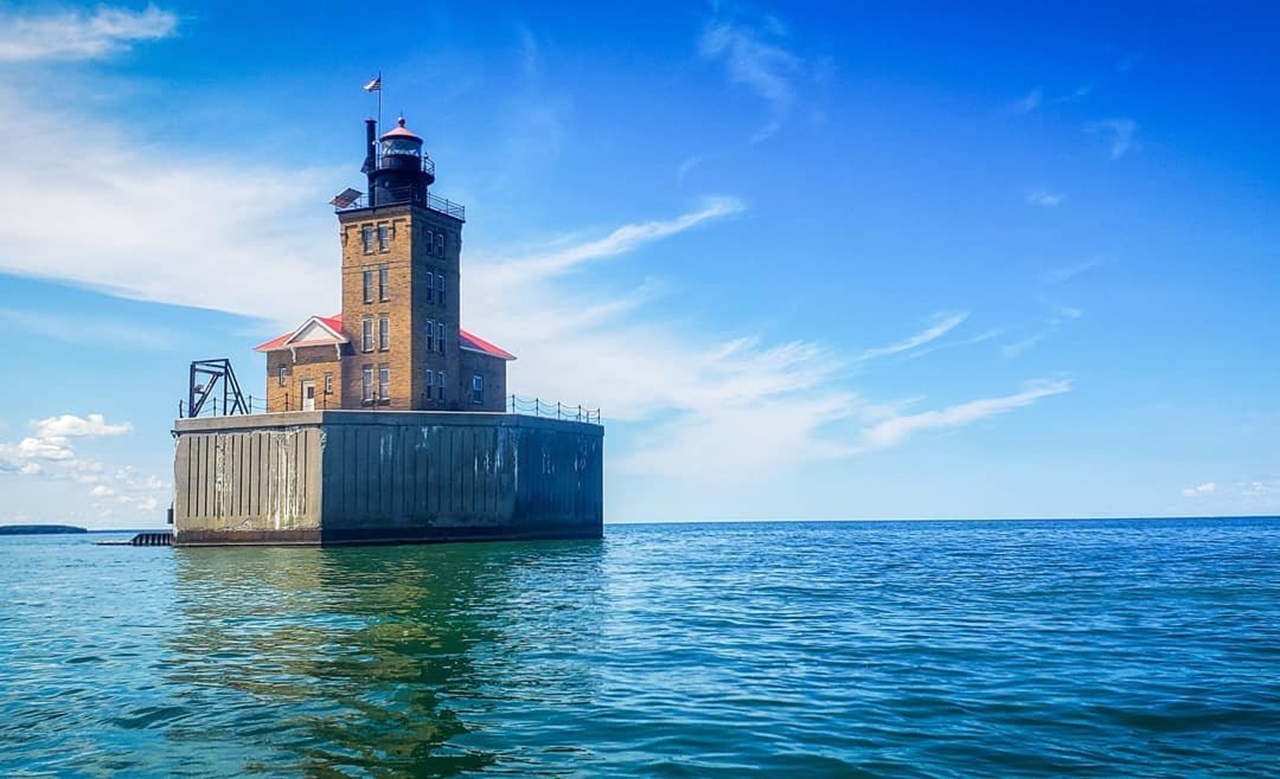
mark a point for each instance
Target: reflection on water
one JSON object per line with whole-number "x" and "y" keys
{"x": 370, "y": 660}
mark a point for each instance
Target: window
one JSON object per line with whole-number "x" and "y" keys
{"x": 366, "y": 238}
{"x": 384, "y": 283}
{"x": 368, "y": 286}
{"x": 366, "y": 391}
{"x": 440, "y": 288}
{"x": 440, "y": 336}
{"x": 477, "y": 389}
{"x": 431, "y": 286}
{"x": 431, "y": 241}
{"x": 384, "y": 237}
{"x": 384, "y": 332}
{"x": 429, "y": 380}
{"x": 431, "y": 335}
{"x": 366, "y": 341}
{"x": 281, "y": 373}
{"x": 384, "y": 381}
{"x": 328, "y": 384}
{"x": 439, "y": 244}
{"x": 440, "y": 387}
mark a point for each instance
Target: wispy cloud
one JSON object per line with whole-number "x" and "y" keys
{"x": 76, "y": 35}
{"x": 1065, "y": 273}
{"x": 756, "y": 404}
{"x": 1128, "y": 62}
{"x": 1060, "y": 316}
{"x": 1200, "y": 490}
{"x": 687, "y": 165}
{"x": 752, "y": 60}
{"x": 1045, "y": 199}
{"x": 1029, "y": 103}
{"x": 899, "y": 428}
{"x": 144, "y": 225}
{"x": 620, "y": 240}
{"x": 1119, "y": 133}
{"x": 77, "y": 329}
{"x": 942, "y": 323}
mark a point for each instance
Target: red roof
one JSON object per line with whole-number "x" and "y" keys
{"x": 478, "y": 344}
{"x": 468, "y": 341}
{"x": 334, "y": 323}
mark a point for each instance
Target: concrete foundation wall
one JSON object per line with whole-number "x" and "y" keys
{"x": 381, "y": 477}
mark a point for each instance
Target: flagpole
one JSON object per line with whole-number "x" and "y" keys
{"x": 379, "y": 103}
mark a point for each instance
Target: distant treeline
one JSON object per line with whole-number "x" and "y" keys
{"x": 31, "y": 530}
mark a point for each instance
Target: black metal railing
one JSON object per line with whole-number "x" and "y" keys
{"x": 552, "y": 410}
{"x": 405, "y": 195}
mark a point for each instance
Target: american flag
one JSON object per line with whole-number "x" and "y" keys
{"x": 375, "y": 85}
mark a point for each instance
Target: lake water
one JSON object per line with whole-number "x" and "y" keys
{"x": 1093, "y": 648}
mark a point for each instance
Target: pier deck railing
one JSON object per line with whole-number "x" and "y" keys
{"x": 537, "y": 407}
{"x": 552, "y": 409}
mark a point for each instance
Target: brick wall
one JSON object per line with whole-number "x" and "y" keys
{"x": 410, "y": 256}
{"x": 493, "y": 370}
{"x": 313, "y": 364}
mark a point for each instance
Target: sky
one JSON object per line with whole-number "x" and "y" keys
{"x": 891, "y": 260}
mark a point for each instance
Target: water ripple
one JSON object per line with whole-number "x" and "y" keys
{"x": 851, "y": 649}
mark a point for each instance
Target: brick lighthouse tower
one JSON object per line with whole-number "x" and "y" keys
{"x": 397, "y": 344}
{"x": 400, "y": 281}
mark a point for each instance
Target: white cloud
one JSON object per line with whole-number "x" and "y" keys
{"x": 1045, "y": 199}
{"x": 765, "y": 68}
{"x": 76, "y": 35}
{"x": 943, "y": 323}
{"x": 35, "y": 449}
{"x": 1118, "y": 132}
{"x": 70, "y": 425}
{"x": 1208, "y": 488}
{"x": 101, "y": 491}
{"x": 51, "y": 444}
{"x": 897, "y": 429}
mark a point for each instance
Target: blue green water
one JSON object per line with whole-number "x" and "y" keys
{"x": 853, "y": 649}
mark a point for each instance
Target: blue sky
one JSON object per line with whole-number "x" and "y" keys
{"x": 894, "y": 261}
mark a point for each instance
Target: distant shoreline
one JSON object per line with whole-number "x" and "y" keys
{"x": 39, "y": 530}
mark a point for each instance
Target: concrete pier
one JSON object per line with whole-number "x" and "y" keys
{"x": 343, "y": 477}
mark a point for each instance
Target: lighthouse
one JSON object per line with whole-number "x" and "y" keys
{"x": 397, "y": 344}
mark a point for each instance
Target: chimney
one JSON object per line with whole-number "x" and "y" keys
{"x": 370, "y": 157}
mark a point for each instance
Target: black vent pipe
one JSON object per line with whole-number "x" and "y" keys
{"x": 370, "y": 156}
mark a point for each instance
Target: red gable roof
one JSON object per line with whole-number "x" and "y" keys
{"x": 334, "y": 323}
{"x": 477, "y": 344}
{"x": 468, "y": 341}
